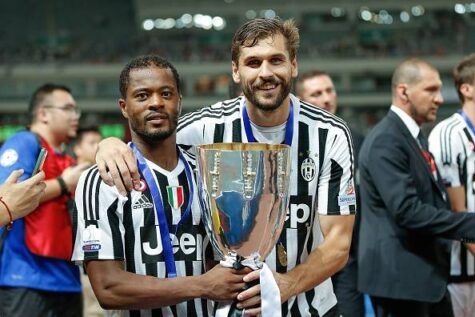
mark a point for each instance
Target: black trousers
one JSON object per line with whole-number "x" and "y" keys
{"x": 388, "y": 307}
{"x": 20, "y": 302}
{"x": 350, "y": 300}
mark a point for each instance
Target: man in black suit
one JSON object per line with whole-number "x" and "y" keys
{"x": 403, "y": 255}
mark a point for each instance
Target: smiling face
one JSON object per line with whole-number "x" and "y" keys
{"x": 152, "y": 104}
{"x": 265, "y": 72}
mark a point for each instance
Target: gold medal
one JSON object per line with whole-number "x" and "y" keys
{"x": 281, "y": 254}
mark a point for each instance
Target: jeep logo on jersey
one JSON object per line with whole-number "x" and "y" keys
{"x": 185, "y": 247}
{"x": 175, "y": 196}
{"x": 307, "y": 169}
{"x": 298, "y": 213}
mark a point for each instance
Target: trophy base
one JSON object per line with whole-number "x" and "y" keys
{"x": 234, "y": 311}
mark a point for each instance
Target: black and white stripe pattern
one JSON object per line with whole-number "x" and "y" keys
{"x": 126, "y": 228}
{"x": 452, "y": 144}
{"x": 322, "y": 174}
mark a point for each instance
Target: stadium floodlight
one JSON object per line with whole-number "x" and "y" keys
{"x": 207, "y": 23}
{"x": 269, "y": 14}
{"x": 459, "y": 8}
{"x": 148, "y": 25}
{"x": 187, "y": 18}
{"x": 337, "y": 12}
{"x": 404, "y": 16}
{"x": 417, "y": 10}
{"x": 169, "y": 23}
{"x": 218, "y": 23}
{"x": 366, "y": 15}
{"x": 251, "y": 14}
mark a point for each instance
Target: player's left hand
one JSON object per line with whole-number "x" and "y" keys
{"x": 250, "y": 299}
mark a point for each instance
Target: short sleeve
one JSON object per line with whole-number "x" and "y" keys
{"x": 446, "y": 146}
{"x": 336, "y": 188}
{"x": 98, "y": 219}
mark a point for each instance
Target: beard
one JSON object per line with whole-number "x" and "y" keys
{"x": 249, "y": 92}
{"x": 156, "y": 135}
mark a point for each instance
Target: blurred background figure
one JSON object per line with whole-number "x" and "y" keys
{"x": 85, "y": 144}
{"x": 20, "y": 198}
{"x": 452, "y": 144}
{"x": 316, "y": 87}
{"x": 36, "y": 275}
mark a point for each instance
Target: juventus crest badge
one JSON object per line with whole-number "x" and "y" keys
{"x": 308, "y": 169}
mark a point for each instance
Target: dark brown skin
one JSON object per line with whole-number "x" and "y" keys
{"x": 116, "y": 288}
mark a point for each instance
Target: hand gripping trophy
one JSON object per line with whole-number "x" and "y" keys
{"x": 244, "y": 193}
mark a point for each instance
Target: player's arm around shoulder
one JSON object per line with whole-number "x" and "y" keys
{"x": 117, "y": 165}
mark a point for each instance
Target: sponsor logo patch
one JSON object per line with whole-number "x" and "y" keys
{"x": 142, "y": 202}
{"x": 345, "y": 200}
{"x": 91, "y": 247}
{"x": 349, "y": 198}
{"x": 91, "y": 241}
{"x": 9, "y": 157}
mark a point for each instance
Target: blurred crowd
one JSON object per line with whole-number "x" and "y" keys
{"x": 438, "y": 33}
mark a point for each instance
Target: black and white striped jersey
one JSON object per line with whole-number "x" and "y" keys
{"x": 321, "y": 181}
{"x": 109, "y": 226}
{"x": 453, "y": 146}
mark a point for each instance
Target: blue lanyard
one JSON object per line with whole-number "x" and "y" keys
{"x": 289, "y": 126}
{"x": 160, "y": 210}
{"x": 467, "y": 121}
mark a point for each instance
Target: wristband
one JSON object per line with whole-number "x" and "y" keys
{"x": 10, "y": 224}
{"x": 62, "y": 185}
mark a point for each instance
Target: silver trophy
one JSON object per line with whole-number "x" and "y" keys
{"x": 244, "y": 193}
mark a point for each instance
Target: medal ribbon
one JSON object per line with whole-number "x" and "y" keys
{"x": 289, "y": 126}
{"x": 160, "y": 210}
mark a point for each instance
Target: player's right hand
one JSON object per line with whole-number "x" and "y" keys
{"x": 223, "y": 284}
{"x": 117, "y": 165}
